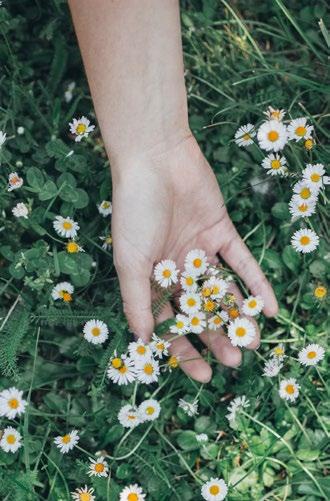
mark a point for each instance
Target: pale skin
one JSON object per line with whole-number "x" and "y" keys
{"x": 166, "y": 199}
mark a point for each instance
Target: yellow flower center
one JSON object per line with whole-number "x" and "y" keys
{"x": 215, "y": 289}
{"x": 217, "y": 321}
{"x": 301, "y": 131}
{"x": 240, "y": 331}
{"x": 195, "y": 321}
{"x": 278, "y": 351}
{"x": 303, "y": 207}
{"x": 311, "y": 354}
{"x": 179, "y": 324}
{"x": 96, "y": 331}
{"x": 161, "y": 346}
{"x": 108, "y": 240}
{"x": 320, "y": 291}
{"x": 273, "y": 136}
{"x": 275, "y": 164}
{"x": 233, "y": 313}
{"x": 275, "y": 114}
{"x": 252, "y": 303}
{"x": 66, "y": 296}
{"x": 14, "y": 180}
{"x": 123, "y": 369}
{"x": 72, "y": 247}
{"x": 214, "y": 490}
{"x": 206, "y": 292}
{"x": 67, "y": 225}
{"x": 132, "y": 417}
{"x": 315, "y": 177}
{"x": 167, "y": 273}
{"x": 173, "y": 362}
{"x": 305, "y": 193}
{"x": 81, "y": 128}
{"x": 116, "y": 363}
{"x": 246, "y": 137}
{"x": 141, "y": 349}
{"x": 191, "y": 302}
{"x": 309, "y": 143}
{"x": 105, "y": 205}
{"x": 85, "y": 496}
{"x": 148, "y": 369}
{"x": 132, "y": 497}
{"x": 99, "y": 467}
{"x": 66, "y": 439}
{"x": 290, "y": 389}
{"x": 150, "y": 410}
{"x": 11, "y": 439}
{"x": 189, "y": 281}
{"x": 197, "y": 262}
{"x": 13, "y": 403}
{"x": 209, "y": 305}
{"x": 305, "y": 240}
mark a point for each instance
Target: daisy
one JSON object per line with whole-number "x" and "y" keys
{"x": 132, "y": 493}
{"x": 95, "y": 331}
{"x": 252, "y": 306}
{"x": 12, "y": 403}
{"x": 313, "y": 175}
{"x": 298, "y": 129}
{"x": 64, "y": 291}
{"x": 272, "y": 367}
{"x": 128, "y": 416}
{"x": 197, "y": 322}
{"x": 173, "y": 363}
{"x": 121, "y": 370}
{"x": 188, "y": 282}
{"x": 165, "y": 273}
{"x": 215, "y": 288}
{"x": 159, "y": 346}
{"x": 202, "y": 438}
{"x": 83, "y": 494}
{"x": 320, "y": 292}
{"x": 241, "y": 332}
{"x": 274, "y": 114}
{"x": 304, "y": 240}
{"x": 302, "y": 208}
{"x": 148, "y": 371}
{"x": 190, "y": 408}
{"x": 274, "y": 164}
{"x": 98, "y": 467}
{"x": 235, "y": 406}
{"x": 311, "y": 354}
{"x": 2, "y": 138}
{"x": 309, "y": 144}
{"x": 65, "y": 227}
{"x": 190, "y": 302}
{"x": 139, "y": 351}
{"x": 196, "y": 262}
{"x": 278, "y": 352}
{"x": 67, "y": 442}
{"x": 272, "y": 135}
{"x": 218, "y": 320}
{"x": 105, "y": 208}
{"x": 10, "y": 440}
{"x": 14, "y": 181}
{"x": 72, "y": 247}
{"x": 181, "y": 325}
{"x": 20, "y": 210}
{"x": 244, "y": 135}
{"x": 107, "y": 242}
{"x": 149, "y": 410}
{"x": 305, "y": 191}
{"x": 214, "y": 490}
{"x": 80, "y": 128}
{"x": 289, "y": 389}
{"x": 68, "y": 95}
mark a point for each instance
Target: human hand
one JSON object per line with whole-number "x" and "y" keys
{"x": 165, "y": 205}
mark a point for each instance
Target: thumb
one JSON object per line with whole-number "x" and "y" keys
{"x": 136, "y": 294}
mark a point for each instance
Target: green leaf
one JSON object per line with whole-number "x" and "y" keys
{"x": 291, "y": 258}
{"x": 187, "y": 440}
{"x": 281, "y": 211}
{"x": 82, "y": 199}
{"x": 57, "y": 148}
{"x": 308, "y": 454}
{"x": 35, "y": 178}
{"x": 49, "y": 191}
{"x": 67, "y": 263}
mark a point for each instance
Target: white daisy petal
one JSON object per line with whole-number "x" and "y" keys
{"x": 305, "y": 240}
{"x": 311, "y": 354}
{"x": 196, "y": 262}
{"x": 11, "y": 403}
{"x": 132, "y": 493}
{"x": 98, "y": 467}
{"x": 214, "y": 490}
{"x": 81, "y": 128}
{"x": 302, "y": 208}
{"x": 313, "y": 175}
{"x": 128, "y": 416}
{"x": 165, "y": 273}
{"x": 147, "y": 371}
{"x": 121, "y": 370}
{"x": 65, "y": 227}
{"x": 275, "y": 164}
{"x": 83, "y": 494}
{"x": 95, "y": 331}
{"x": 252, "y": 306}
{"x": 105, "y": 208}
{"x": 190, "y": 302}
{"x": 67, "y": 442}
{"x": 197, "y": 322}
{"x": 298, "y": 129}
{"x": 20, "y": 210}
{"x": 63, "y": 291}
{"x": 244, "y": 135}
{"x": 149, "y": 410}
{"x": 14, "y": 181}
{"x": 289, "y": 389}
{"x": 11, "y": 440}
{"x": 272, "y": 135}
{"x": 241, "y": 332}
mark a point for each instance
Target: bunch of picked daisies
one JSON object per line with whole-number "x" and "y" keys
{"x": 206, "y": 301}
{"x": 273, "y": 135}
{"x": 309, "y": 356}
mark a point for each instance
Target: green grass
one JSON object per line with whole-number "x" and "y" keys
{"x": 240, "y": 57}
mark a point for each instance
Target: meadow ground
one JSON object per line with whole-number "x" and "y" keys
{"x": 241, "y": 57}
